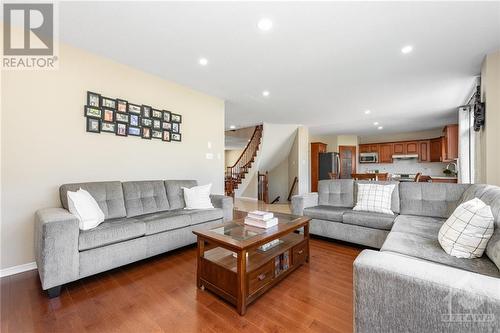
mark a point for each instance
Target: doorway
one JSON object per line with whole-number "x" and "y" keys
{"x": 347, "y": 156}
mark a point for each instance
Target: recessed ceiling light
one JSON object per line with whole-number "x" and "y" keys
{"x": 375, "y": 123}
{"x": 380, "y": 128}
{"x": 368, "y": 111}
{"x": 232, "y": 127}
{"x": 265, "y": 24}
{"x": 407, "y": 49}
{"x": 265, "y": 93}
{"x": 203, "y": 61}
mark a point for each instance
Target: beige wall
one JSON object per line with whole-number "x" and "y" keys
{"x": 231, "y": 156}
{"x": 330, "y": 140}
{"x": 293, "y": 164}
{"x": 490, "y": 138}
{"x": 44, "y": 142}
{"x": 388, "y": 137}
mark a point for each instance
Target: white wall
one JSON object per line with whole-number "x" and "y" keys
{"x": 44, "y": 142}
{"x": 490, "y": 138}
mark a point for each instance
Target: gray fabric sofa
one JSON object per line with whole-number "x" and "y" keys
{"x": 142, "y": 219}
{"x": 411, "y": 284}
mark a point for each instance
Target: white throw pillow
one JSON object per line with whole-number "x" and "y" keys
{"x": 198, "y": 197}
{"x": 467, "y": 231}
{"x": 85, "y": 208}
{"x": 375, "y": 198}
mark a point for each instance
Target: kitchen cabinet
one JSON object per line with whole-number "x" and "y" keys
{"x": 316, "y": 149}
{"x": 424, "y": 154}
{"x": 385, "y": 152}
{"x": 373, "y": 148}
{"x": 364, "y": 149}
{"x": 436, "y": 150}
{"x": 412, "y": 147}
{"x": 399, "y": 148}
{"x": 450, "y": 143}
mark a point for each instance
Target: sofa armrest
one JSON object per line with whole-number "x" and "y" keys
{"x": 225, "y": 203}
{"x": 56, "y": 246}
{"x": 299, "y": 202}
{"x": 393, "y": 292}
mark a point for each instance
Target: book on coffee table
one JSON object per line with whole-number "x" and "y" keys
{"x": 261, "y": 223}
{"x": 260, "y": 215}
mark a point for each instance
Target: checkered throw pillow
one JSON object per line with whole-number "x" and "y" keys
{"x": 467, "y": 231}
{"x": 375, "y": 198}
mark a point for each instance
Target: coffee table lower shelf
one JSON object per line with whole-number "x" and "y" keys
{"x": 240, "y": 280}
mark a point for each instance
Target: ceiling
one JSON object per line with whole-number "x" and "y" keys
{"x": 324, "y": 63}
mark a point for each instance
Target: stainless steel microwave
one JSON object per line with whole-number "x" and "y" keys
{"x": 368, "y": 158}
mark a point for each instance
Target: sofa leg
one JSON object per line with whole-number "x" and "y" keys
{"x": 54, "y": 292}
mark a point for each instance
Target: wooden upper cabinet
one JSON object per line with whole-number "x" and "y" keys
{"x": 436, "y": 149}
{"x": 385, "y": 152}
{"x": 373, "y": 148}
{"x": 399, "y": 148}
{"x": 412, "y": 147}
{"x": 450, "y": 143}
{"x": 424, "y": 154}
{"x": 316, "y": 149}
{"x": 364, "y": 148}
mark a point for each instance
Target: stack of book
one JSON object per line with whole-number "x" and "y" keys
{"x": 261, "y": 219}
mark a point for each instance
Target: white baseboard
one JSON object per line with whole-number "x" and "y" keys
{"x": 247, "y": 198}
{"x": 17, "y": 269}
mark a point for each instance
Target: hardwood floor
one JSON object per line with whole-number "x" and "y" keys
{"x": 160, "y": 295}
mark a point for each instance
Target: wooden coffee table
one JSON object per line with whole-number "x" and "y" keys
{"x": 232, "y": 265}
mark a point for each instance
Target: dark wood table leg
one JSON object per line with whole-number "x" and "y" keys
{"x": 241, "y": 306}
{"x": 201, "y": 251}
{"x": 306, "y": 237}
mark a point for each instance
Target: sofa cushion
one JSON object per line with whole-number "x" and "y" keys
{"x": 110, "y": 232}
{"x": 490, "y": 195}
{"x": 430, "y": 199}
{"x": 144, "y": 197}
{"x": 109, "y": 196}
{"x": 329, "y": 213}
{"x": 369, "y": 219}
{"x": 163, "y": 221}
{"x": 204, "y": 215}
{"x": 336, "y": 192}
{"x": 429, "y": 249}
{"x": 175, "y": 194}
{"x": 395, "y": 194}
{"x": 418, "y": 225}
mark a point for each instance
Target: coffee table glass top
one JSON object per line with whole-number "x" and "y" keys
{"x": 239, "y": 231}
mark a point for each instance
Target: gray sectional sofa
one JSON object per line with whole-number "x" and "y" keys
{"x": 142, "y": 219}
{"x": 411, "y": 284}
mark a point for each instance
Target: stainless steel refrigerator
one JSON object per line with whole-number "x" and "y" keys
{"x": 328, "y": 162}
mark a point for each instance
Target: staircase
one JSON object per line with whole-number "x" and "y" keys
{"x": 236, "y": 173}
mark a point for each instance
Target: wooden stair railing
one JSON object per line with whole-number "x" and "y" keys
{"x": 236, "y": 173}
{"x": 263, "y": 187}
{"x": 295, "y": 181}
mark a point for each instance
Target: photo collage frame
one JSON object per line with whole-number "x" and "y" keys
{"x": 123, "y": 118}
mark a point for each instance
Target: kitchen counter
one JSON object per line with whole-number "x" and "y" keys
{"x": 444, "y": 177}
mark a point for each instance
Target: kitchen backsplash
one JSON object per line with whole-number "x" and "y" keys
{"x": 405, "y": 167}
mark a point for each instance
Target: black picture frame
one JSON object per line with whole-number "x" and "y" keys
{"x": 93, "y": 125}
{"x": 146, "y": 111}
{"x": 134, "y": 120}
{"x": 167, "y": 116}
{"x": 120, "y": 127}
{"x": 134, "y": 131}
{"x": 107, "y": 102}
{"x": 176, "y": 128}
{"x": 93, "y": 99}
{"x": 146, "y": 122}
{"x": 92, "y": 112}
{"x": 157, "y": 114}
{"x": 105, "y": 112}
{"x": 156, "y": 134}
{"x": 165, "y": 125}
{"x": 166, "y": 136}
{"x": 176, "y": 137}
{"x": 121, "y": 105}
{"x": 156, "y": 124}
{"x": 146, "y": 133}
{"x": 134, "y": 109}
{"x": 176, "y": 118}
{"x": 105, "y": 127}
{"x": 121, "y": 117}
